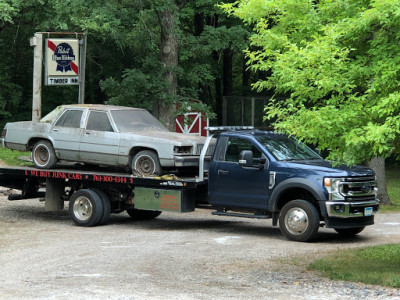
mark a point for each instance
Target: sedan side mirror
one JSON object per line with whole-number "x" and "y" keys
{"x": 246, "y": 158}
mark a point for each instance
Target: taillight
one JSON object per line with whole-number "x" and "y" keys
{"x": 3, "y": 133}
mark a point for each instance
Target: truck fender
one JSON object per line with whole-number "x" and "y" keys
{"x": 310, "y": 186}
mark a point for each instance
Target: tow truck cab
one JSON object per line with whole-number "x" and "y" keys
{"x": 273, "y": 175}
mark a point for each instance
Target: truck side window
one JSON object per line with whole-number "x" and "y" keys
{"x": 98, "y": 121}
{"x": 70, "y": 118}
{"x": 237, "y": 145}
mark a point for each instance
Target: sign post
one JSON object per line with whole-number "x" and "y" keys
{"x": 37, "y": 43}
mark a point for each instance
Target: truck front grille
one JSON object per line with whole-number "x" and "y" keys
{"x": 359, "y": 188}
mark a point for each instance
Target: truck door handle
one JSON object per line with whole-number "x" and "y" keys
{"x": 55, "y": 130}
{"x": 223, "y": 172}
{"x": 88, "y": 132}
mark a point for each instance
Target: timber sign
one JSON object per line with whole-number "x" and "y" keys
{"x": 62, "y": 62}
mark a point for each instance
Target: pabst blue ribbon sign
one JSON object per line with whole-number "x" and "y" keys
{"x": 62, "y": 61}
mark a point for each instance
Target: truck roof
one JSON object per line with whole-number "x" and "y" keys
{"x": 254, "y": 132}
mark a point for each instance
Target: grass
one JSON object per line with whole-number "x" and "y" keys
{"x": 13, "y": 158}
{"x": 378, "y": 265}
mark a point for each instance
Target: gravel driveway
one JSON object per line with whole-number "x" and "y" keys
{"x": 176, "y": 256}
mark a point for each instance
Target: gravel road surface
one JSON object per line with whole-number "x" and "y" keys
{"x": 176, "y": 256}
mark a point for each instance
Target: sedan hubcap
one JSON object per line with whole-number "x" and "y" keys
{"x": 145, "y": 166}
{"x": 296, "y": 221}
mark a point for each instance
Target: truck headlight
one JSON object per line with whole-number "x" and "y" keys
{"x": 333, "y": 186}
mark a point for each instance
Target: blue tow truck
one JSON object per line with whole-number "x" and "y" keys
{"x": 251, "y": 174}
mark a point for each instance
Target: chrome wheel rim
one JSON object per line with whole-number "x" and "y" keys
{"x": 83, "y": 208}
{"x": 296, "y": 221}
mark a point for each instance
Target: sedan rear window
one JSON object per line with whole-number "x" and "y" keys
{"x": 135, "y": 120}
{"x": 70, "y": 118}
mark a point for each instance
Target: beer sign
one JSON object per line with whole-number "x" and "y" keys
{"x": 62, "y": 62}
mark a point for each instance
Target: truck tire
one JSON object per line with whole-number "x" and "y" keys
{"x": 86, "y": 208}
{"x": 299, "y": 221}
{"x": 106, "y": 206}
{"x": 140, "y": 214}
{"x": 43, "y": 155}
{"x": 349, "y": 232}
{"x": 146, "y": 163}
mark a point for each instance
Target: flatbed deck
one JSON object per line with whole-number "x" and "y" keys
{"x": 11, "y": 176}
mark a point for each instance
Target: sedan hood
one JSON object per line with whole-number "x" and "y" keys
{"x": 172, "y": 136}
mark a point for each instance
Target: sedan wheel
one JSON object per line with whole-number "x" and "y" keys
{"x": 43, "y": 155}
{"x": 146, "y": 163}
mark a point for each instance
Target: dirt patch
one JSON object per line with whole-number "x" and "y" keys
{"x": 176, "y": 256}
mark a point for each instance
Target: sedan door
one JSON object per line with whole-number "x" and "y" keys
{"x": 66, "y": 134}
{"x": 99, "y": 142}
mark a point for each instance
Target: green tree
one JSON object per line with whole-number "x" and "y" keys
{"x": 337, "y": 62}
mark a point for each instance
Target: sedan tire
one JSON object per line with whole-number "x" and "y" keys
{"x": 146, "y": 163}
{"x": 43, "y": 155}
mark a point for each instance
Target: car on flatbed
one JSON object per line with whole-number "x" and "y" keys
{"x": 103, "y": 135}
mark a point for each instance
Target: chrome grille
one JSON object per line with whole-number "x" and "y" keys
{"x": 358, "y": 188}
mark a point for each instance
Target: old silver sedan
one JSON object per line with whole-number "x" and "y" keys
{"x": 103, "y": 135}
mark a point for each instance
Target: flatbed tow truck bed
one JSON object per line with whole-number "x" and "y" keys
{"x": 94, "y": 194}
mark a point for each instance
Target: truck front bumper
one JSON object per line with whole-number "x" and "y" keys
{"x": 352, "y": 209}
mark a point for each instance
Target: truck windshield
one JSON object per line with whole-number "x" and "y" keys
{"x": 136, "y": 120}
{"x": 285, "y": 148}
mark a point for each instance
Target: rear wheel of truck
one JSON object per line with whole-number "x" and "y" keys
{"x": 43, "y": 155}
{"x": 146, "y": 163}
{"x": 299, "y": 221}
{"x": 106, "y": 206}
{"x": 140, "y": 214}
{"x": 349, "y": 232}
{"x": 86, "y": 208}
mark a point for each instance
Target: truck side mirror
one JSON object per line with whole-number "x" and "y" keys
{"x": 246, "y": 158}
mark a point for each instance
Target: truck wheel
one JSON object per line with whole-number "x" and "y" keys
{"x": 140, "y": 214}
{"x": 43, "y": 155}
{"x": 349, "y": 232}
{"x": 146, "y": 163}
{"x": 86, "y": 208}
{"x": 106, "y": 206}
{"x": 299, "y": 221}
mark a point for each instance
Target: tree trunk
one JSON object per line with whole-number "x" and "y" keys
{"x": 169, "y": 60}
{"x": 378, "y": 165}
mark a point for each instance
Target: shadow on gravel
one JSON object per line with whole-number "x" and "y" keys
{"x": 260, "y": 228}
{"x": 215, "y": 225}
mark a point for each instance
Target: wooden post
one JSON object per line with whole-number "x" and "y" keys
{"x": 82, "y": 67}
{"x": 37, "y": 42}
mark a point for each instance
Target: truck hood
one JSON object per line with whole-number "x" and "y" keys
{"x": 324, "y": 166}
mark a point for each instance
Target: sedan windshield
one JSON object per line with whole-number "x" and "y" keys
{"x": 284, "y": 148}
{"x": 135, "y": 120}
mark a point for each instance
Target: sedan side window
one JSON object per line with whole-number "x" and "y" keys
{"x": 70, "y": 118}
{"x": 98, "y": 121}
{"x": 237, "y": 145}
